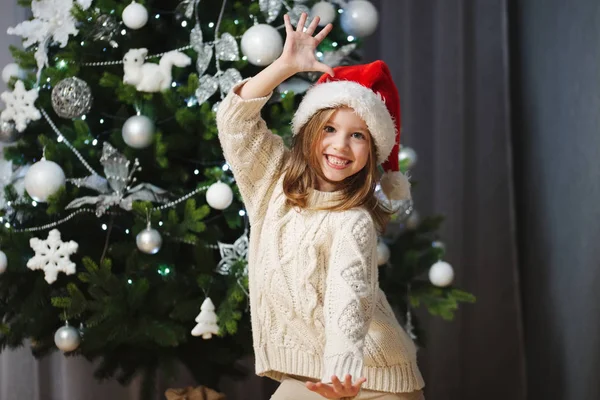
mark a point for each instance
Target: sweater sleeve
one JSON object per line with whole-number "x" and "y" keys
{"x": 350, "y": 296}
{"x": 253, "y": 152}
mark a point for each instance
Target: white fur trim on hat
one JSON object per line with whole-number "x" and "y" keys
{"x": 369, "y": 105}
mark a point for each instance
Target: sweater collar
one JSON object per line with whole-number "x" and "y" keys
{"x": 318, "y": 199}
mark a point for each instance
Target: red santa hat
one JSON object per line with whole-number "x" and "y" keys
{"x": 370, "y": 90}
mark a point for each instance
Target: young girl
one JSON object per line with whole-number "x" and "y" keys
{"x": 320, "y": 323}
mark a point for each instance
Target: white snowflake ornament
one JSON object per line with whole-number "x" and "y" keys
{"x": 52, "y": 22}
{"x": 52, "y": 255}
{"x": 20, "y": 106}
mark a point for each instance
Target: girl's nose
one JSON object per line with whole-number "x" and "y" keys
{"x": 340, "y": 142}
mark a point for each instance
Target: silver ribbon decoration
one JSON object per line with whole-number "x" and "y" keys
{"x": 115, "y": 189}
{"x": 271, "y": 9}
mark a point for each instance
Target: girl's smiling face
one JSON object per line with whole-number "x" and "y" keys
{"x": 344, "y": 149}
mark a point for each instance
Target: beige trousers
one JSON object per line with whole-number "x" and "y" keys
{"x": 293, "y": 389}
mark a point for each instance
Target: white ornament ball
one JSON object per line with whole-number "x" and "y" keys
{"x": 441, "y": 274}
{"x": 219, "y": 196}
{"x": 407, "y": 156}
{"x": 67, "y": 338}
{"x": 43, "y": 179}
{"x": 325, "y": 11}
{"x": 383, "y": 253}
{"x": 11, "y": 70}
{"x": 138, "y": 132}
{"x": 262, "y": 44}
{"x": 149, "y": 241}
{"x": 360, "y": 18}
{"x": 135, "y": 16}
{"x": 3, "y": 262}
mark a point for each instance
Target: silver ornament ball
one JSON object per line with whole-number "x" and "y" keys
{"x": 138, "y": 132}
{"x": 3, "y": 262}
{"x": 149, "y": 241}
{"x": 360, "y": 18}
{"x": 67, "y": 338}
{"x": 71, "y": 98}
{"x": 413, "y": 221}
{"x": 262, "y": 44}
{"x": 383, "y": 253}
{"x": 43, "y": 179}
{"x": 8, "y": 132}
{"x": 325, "y": 11}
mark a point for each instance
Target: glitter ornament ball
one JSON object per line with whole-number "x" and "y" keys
{"x": 43, "y": 179}
{"x": 138, "y": 132}
{"x": 407, "y": 157}
{"x": 71, "y": 98}
{"x": 11, "y": 70}
{"x": 67, "y": 338}
{"x": 325, "y": 11}
{"x": 219, "y": 196}
{"x": 8, "y": 132}
{"x": 149, "y": 241}
{"x": 135, "y": 16}
{"x": 441, "y": 274}
{"x": 383, "y": 253}
{"x": 262, "y": 44}
{"x": 360, "y": 18}
{"x": 3, "y": 262}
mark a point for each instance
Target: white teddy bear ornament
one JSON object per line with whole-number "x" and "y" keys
{"x": 150, "y": 77}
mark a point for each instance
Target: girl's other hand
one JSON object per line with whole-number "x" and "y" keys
{"x": 337, "y": 389}
{"x": 300, "y": 46}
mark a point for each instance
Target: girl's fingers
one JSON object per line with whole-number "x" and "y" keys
{"x": 301, "y": 22}
{"x": 348, "y": 382}
{"x": 337, "y": 385}
{"x": 359, "y": 383}
{"x": 326, "y": 69}
{"x": 313, "y": 25}
{"x": 288, "y": 25}
{"x": 323, "y": 34}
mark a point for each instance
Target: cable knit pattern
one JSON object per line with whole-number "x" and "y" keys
{"x": 317, "y": 310}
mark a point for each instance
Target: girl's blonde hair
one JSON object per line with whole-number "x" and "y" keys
{"x": 304, "y": 167}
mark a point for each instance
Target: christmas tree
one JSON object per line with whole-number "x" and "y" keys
{"x": 115, "y": 186}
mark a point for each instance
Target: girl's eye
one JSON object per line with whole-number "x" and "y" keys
{"x": 358, "y": 135}
{"x": 329, "y": 129}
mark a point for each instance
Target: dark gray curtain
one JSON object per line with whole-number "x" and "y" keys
{"x": 450, "y": 61}
{"x": 557, "y": 137}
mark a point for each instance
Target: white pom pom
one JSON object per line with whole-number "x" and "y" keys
{"x": 395, "y": 185}
{"x": 441, "y": 274}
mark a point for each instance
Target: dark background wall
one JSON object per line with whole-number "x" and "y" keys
{"x": 555, "y": 49}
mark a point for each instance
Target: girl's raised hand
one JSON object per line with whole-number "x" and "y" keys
{"x": 299, "y": 49}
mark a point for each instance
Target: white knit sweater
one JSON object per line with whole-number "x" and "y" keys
{"x": 316, "y": 306}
